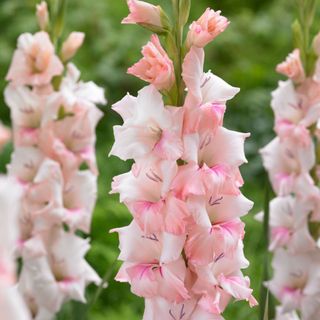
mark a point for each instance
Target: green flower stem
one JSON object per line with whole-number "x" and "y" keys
{"x": 59, "y": 21}
{"x": 177, "y": 51}
{"x": 302, "y": 33}
{"x": 104, "y": 282}
{"x": 57, "y": 12}
{"x": 266, "y": 302}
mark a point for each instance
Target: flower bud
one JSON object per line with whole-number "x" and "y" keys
{"x": 292, "y": 67}
{"x": 71, "y": 45}
{"x": 206, "y": 28}
{"x": 145, "y": 14}
{"x": 155, "y": 67}
{"x": 42, "y": 15}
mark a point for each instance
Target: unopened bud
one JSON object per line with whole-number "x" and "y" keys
{"x": 42, "y": 15}
{"x": 71, "y": 45}
{"x": 147, "y": 15}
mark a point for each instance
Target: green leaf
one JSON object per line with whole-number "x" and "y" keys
{"x": 265, "y": 301}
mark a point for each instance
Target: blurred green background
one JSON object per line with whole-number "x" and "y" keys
{"x": 245, "y": 55}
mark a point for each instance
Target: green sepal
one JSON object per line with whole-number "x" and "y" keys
{"x": 154, "y": 29}
{"x": 297, "y": 35}
{"x": 184, "y": 9}
{"x": 59, "y": 21}
{"x": 62, "y": 114}
{"x": 314, "y": 229}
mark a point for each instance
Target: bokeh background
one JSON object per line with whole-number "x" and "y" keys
{"x": 245, "y": 55}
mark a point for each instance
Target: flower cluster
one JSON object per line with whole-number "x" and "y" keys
{"x": 54, "y": 116}
{"x": 183, "y": 251}
{"x": 291, "y": 161}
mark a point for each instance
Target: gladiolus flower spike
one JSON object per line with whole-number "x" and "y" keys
{"x": 183, "y": 250}
{"x": 54, "y": 116}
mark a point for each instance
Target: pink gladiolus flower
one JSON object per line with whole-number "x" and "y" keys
{"x": 151, "y": 128}
{"x": 142, "y": 12}
{"x": 144, "y": 195}
{"x": 155, "y": 67}
{"x": 207, "y": 94}
{"x": 294, "y": 282}
{"x": 287, "y": 163}
{"x": 34, "y": 62}
{"x": 157, "y": 268}
{"x": 288, "y": 222}
{"x": 292, "y": 67}
{"x": 206, "y": 28}
{"x": 79, "y": 199}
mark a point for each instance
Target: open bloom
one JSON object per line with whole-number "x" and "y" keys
{"x": 34, "y": 62}
{"x": 220, "y": 280}
{"x": 206, "y": 28}
{"x": 288, "y": 165}
{"x": 155, "y": 67}
{"x": 207, "y": 95}
{"x": 142, "y": 12}
{"x": 218, "y": 228}
{"x": 148, "y": 196}
{"x": 296, "y": 108}
{"x": 213, "y": 166}
{"x": 26, "y": 113}
{"x": 149, "y": 127}
{"x": 79, "y": 198}
{"x": 289, "y": 224}
{"x": 59, "y": 274}
{"x": 153, "y": 263}
{"x": 295, "y": 282}
{"x": 43, "y": 198}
